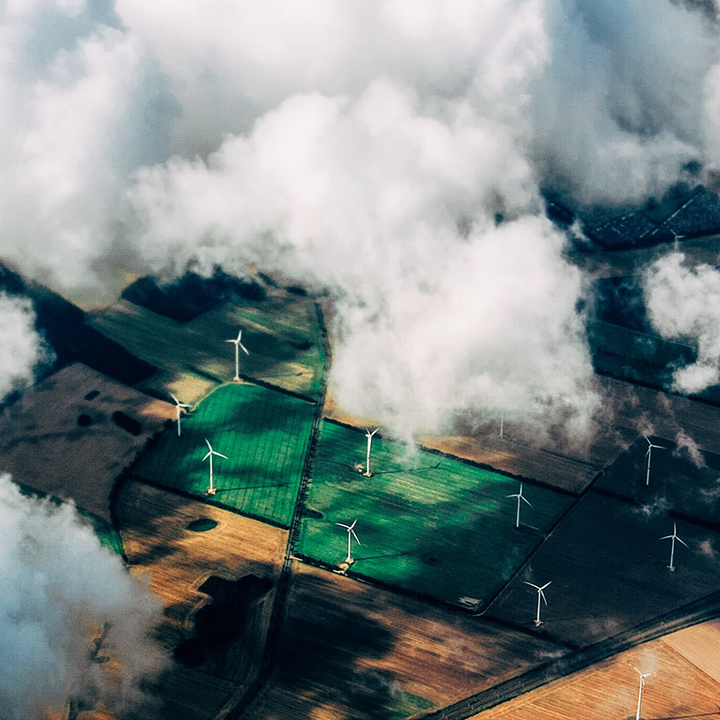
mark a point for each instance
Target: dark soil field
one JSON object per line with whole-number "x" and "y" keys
{"x": 264, "y": 435}
{"x": 609, "y": 572}
{"x": 426, "y": 523}
{"x": 163, "y": 539}
{"x": 681, "y": 483}
{"x": 349, "y": 650}
{"x": 60, "y": 438}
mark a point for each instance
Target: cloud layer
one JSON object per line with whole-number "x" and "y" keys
{"x": 389, "y": 153}
{"x": 59, "y": 588}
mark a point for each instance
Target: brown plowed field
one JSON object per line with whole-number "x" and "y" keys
{"x": 677, "y": 689}
{"x": 43, "y": 445}
{"x": 154, "y": 528}
{"x": 349, "y": 650}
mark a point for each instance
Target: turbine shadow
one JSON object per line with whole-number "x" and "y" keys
{"x": 379, "y": 557}
{"x": 250, "y": 487}
{"x": 412, "y": 470}
{"x": 691, "y": 717}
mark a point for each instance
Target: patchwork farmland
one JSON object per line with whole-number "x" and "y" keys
{"x": 263, "y": 433}
{"x": 428, "y": 524}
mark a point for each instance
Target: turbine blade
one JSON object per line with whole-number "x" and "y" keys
{"x": 208, "y": 444}
{"x": 542, "y": 595}
{"x": 232, "y": 341}
{"x": 347, "y": 527}
{"x": 666, "y": 537}
{"x": 525, "y": 500}
{"x": 546, "y": 584}
{"x": 220, "y": 455}
{"x": 245, "y": 350}
{"x": 355, "y": 536}
{"x": 354, "y": 522}
{"x": 239, "y": 337}
{"x": 516, "y": 495}
{"x": 207, "y": 456}
{"x": 537, "y": 587}
{"x": 646, "y": 437}
{"x": 177, "y": 402}
{"x": 682, "y": 542}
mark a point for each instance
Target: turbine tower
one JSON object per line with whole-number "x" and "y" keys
{"x": 211, "y": 489}
{"x": 673, "y": 538}
{"x": 369, "y": 436}
{"x": 519, "y": 497}
{"x": 180, "y": 409}
{"x": 648, "y": 455}
{"x": 502, "y": 422}
{"x": 540, "y": 594}
{"x": 350, "y": 532}
{"x": 642, "y": 687}
{"x": 238, "y": 345}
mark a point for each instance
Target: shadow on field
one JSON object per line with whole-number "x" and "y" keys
{"x": 325, "y": 653}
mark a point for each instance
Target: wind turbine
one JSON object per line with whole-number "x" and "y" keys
{"x": 519, "y": 497}
{"x": 238, "y": 345}
{"x": 540, "y": 594}
{"x": 673, "y": 537}
{"x": 179, "y": 407}
{"x": 211, "y": 490}
{"x": 648, "y": 455}
{"x": 502, "y": 422}
{"x": 642, "y": 687}
{"x": 369, "y": 436}
{"x": 350, "y": 531}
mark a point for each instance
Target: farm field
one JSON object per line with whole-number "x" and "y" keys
{"x": 264, "y": 435}
{"x": 678, "y": 688}
{"x": 677, "y": 480}
{"x": 427, "y": 524}
{"x": 60, "y": 438}
{"x": 156, "y": 526}
{"x": 608, "y": 569}
{"x": 281, "y": 333}
{"x": 349, "y": 650}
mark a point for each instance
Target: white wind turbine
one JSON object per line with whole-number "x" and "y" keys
{"x": 211, "y": 490}
{"x": 238, "y": 345}
{"x": 540, "y": 594}
{"x": 369, "y": 436}
{"x": 180, "y": 409}
{"x": 648, "y": 455}
{"x": 502, "y": 422}
{"x": 350, "y": 532}
{"x": 519, "y": 496}
{"x": 642, "y": 687}
{"x": 673, "y": 537}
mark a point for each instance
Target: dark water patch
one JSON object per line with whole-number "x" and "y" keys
{"x": 202, "y": 525}
{"x": 84, "y": 420}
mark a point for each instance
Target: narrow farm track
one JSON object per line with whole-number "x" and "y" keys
{"x": 707, "y": 608}
{"x": 239, "y": 702}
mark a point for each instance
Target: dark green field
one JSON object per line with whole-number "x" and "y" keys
{"x": 428, "y": 524}
{"x": 265, "y": 436}
{"x": 281, "y": 333}
{"x": 677, "y": 480}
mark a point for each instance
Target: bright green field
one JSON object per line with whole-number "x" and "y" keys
{"x": 428, "y": 524}
{"x": 264, "y": 434}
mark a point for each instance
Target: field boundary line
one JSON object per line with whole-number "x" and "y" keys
{"x": 693, "y": 613}
{"x": 244, "y": 697}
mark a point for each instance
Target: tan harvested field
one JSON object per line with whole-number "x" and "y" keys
{"x": 349, "y": 650}
{"x": 154, "y": 528}
{"x": 686, "y": 667}
{"x": 43, "y": 446}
